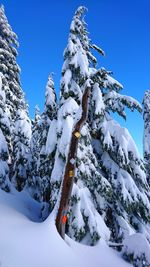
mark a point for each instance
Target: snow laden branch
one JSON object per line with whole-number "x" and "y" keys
{"x": 105, "y": 81}
{"x": 117, "y": 103}
{"x": 98, "y": 49}
{"x": 70, "y": 165}
{"x": 110, "y": 88}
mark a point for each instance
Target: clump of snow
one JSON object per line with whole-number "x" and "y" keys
{"x": 23, "y": 124}
{"x": 66, "y": 135}
{"x": 121, "y": 135}
{"x": 95, "y": 220}
{"x": 125, "y": 226}
{"x": 111, "y": 82}
{"x": 51, "y": 138}
{"x": 66, "y": 80}
{"x": 97, "y": 98}
{"x": 70, "y": 107}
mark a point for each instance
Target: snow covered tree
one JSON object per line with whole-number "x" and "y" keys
{"x": 84, "y": 222}
{"x": 146, "y": 139}
{"x": 15, "y": 106}
{"x": 110, "y": 185}
{"x": 47, "y": 131}
{"x": 120, "y": 162}
{"x": 50, "y": 99}
{"x": 32, "y": 182}
{"x": 42, "y": 153}
{"x": 5, "y": 41}
{"x": 8, "y": 65}
{"x": 35, "y": 136}
{"x": 21, "y": 149}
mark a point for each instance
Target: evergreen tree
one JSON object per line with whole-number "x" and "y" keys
{"x": 47, "y": 131}
{"x": 32, "y": 183}
{"x": 84, "y": 222}
{"x": 120, "y": 163}
{"x": 7, "y": 46}
{"x": 8, "y": 66}
{"x": 15, "y": 105}
{"x": 43, "y": 144}
{"x": 21, "y": 148}
{"x": 35, "y": 136}
{"x": 146, "y": 115}
{"x": 110, "y": 182}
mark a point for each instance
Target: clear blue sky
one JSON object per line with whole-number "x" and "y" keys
{"x": 121, "y": 28}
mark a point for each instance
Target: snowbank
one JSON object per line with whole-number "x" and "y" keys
{"x": 25, "y": 242}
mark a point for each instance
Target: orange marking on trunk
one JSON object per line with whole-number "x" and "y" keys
{"x": 64, "y": 219}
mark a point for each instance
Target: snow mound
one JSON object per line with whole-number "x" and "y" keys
{"x": 26, "y": 242}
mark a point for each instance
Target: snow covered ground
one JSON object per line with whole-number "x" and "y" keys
{"x": 27, "y": 242}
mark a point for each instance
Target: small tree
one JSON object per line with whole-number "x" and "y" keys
{"x": 46, "y": 155}
{"x": 33, "y": 181}
{"x": 42, "y": 152}
{"x": 21, "y": 150}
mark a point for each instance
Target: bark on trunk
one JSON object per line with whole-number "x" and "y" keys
{"x": 70, "y": 167}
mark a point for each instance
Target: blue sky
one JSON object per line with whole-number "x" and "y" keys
{"x": 121, "y": 28}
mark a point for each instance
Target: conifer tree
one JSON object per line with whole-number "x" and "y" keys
{"x": 9, "y": 67}
{"x": 14, "y": 98}
{"x": 8, "y": 52}
{"x": 124, "y": 206}
{"x": 32, "y": 182}
{"x": 21, "y": 148}
{"x": 120, "y": 162}
{"x": 47, "y": 131}
{"x": 14, "y": 101}
{"x": 83, "y": 219}
{"x": 43, "y": 143}
{"x": 35, "y": 136}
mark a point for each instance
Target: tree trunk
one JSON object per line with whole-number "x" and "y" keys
{"x": 70, "y": 167}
